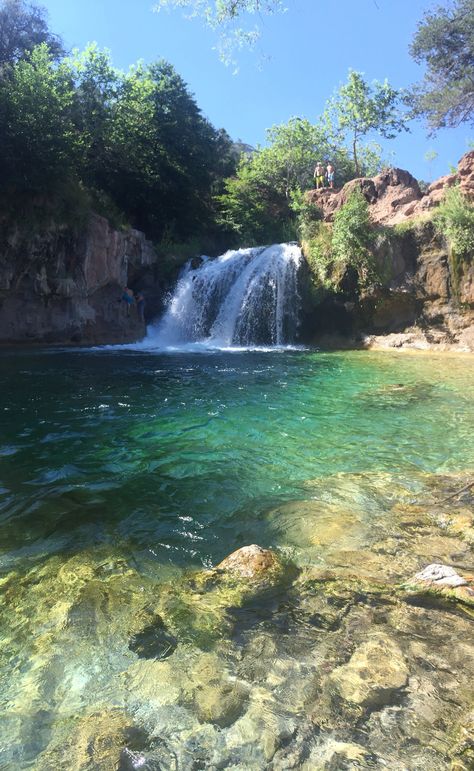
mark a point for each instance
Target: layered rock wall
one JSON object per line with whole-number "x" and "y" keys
{"x": 64, "y": 284}
{"x": 426, "y": 298}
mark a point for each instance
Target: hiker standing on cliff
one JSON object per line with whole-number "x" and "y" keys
{"x": 330, "y": 174}
{"x": 319, "y": 175}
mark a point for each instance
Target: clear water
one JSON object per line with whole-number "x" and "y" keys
{"x": 171, "y": 461}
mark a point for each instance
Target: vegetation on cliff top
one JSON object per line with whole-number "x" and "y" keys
{"x": 133, "y": 146}
{"x": 260, "y": 202}
{"x": 344, "y": 248}
{"x": 78, "y": 134}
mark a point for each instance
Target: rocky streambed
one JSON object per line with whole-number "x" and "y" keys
{"x": 348, "y": 647}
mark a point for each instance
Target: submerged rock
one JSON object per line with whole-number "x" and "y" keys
{"x": 375, "y": 672}
{"x": 463, "y": 750}
{"x": 203, "y": 607}
{"x": 216, "y": 697}
{"x": 154, "y": 641}
{"x": 94, "y": 741}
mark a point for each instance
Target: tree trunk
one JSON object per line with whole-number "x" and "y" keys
{"x": 356, "y": 160}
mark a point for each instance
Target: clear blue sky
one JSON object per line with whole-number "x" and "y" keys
{"x": 309, "y": 50}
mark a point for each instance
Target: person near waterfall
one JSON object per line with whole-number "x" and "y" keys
{"x": 128, "y": 298}
{"x": 319, "y": 175}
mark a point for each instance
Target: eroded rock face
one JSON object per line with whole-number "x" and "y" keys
{"x": 425, "y": 297}
{"x": 65, "y": 285}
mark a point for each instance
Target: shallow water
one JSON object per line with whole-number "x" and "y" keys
{"x": 126, "y": 468}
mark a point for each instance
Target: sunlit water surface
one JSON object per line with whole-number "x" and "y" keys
{"x": 168, "y": 462}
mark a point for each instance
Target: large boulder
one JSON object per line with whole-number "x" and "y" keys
{"x": 252, "y": 562}
{"x": 443, "y": 581}
{"x": 388, "y": 194}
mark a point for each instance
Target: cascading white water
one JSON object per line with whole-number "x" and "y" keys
{"x": 245, "y": 297}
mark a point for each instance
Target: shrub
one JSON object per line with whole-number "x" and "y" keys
{"x": 308, "y": 215}
{"x": 318, "y": 253}
{"x": 353, "y": 237}
{"x": 455, "y": 220}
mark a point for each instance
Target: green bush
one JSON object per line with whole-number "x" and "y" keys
{"x": 318, "y": 252}
{"x": 353, "y": 238}
{"x": 455, "y": 220}
{"x": 330, "y": 250}
{"x": 308, "y": 215}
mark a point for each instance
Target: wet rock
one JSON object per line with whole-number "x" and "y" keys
{"x": 155, "y": 683}
{"x": 462, "y": 751}
{"x": 440, "y": 575}
{"x": 317, "y": 523}
{"x": 460, "y": 523}
{"x": 214, "y": 695}
{"x": 208, "y": 605}
{"x": 370, "y": 565}
{"x": 96, "y": 740}
{"x": 375, "y": 673}
{"x": 258, "y": 656}
{"x": 220, "y": 703}
{"x": 338, "y": 756}
{"x": 441, "y": 581}
{"x": 252, "y": 562}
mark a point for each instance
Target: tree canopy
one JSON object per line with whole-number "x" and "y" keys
{"x": 132, "y": 145}
{"x": 259, "y": 203}
{"x": 23, "y": 26}
{"x": 444, "y": 42}
{"x": 359, "y": 108}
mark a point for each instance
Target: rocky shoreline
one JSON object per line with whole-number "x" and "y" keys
{"x": 355, "y": 655}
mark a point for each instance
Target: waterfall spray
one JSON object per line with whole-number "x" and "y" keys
{"x": 245, "y": 297}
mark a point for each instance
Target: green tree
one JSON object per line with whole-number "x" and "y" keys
{"x": 97, "y": 85}
{"x": 165, "y": 157}
{"x": 454, "y": 218}
{"x": 262, "y": 202}
{"x": 220, "y": 11}
{"x": 257, "y": 203}
{"x": 23, "y": 25}
{"x": 39, "y": 138}
{"x": 430, "y": 156}
{"x": 444, "y": 42}
{"x": 358, "y": 109}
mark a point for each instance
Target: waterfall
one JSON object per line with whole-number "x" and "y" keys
{"x": 245, "y": 297}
